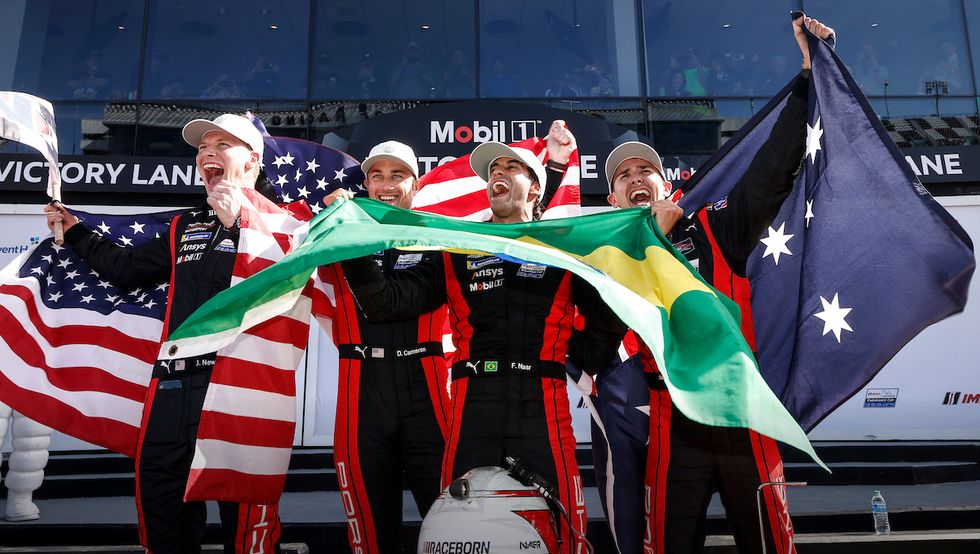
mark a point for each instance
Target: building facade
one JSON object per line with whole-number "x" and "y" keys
{"x": 125, "y": 75}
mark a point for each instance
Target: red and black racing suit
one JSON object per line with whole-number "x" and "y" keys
{"x": 392, "y": 406}
{"x": 512, "y": 326}
{"x": 688, "y": 461}
{"x": 205, "y": 252}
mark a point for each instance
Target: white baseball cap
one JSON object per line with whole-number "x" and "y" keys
{"x": 485, "y": 154}
{"x": 233, "y": 124}
{"x": 394, "y": 151}
{"x": 627, "y": 150}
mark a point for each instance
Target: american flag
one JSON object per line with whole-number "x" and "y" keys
{"x": 300, "y": 170}
{"x": 55, "y": 311}
{"x": 245, "y": 437}
{"x": 77, "y": 352}
{"x": 453, "y": 190}
{"x": 303, "y": 170}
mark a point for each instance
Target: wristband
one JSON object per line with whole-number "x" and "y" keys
{"x": 560, "y": 167}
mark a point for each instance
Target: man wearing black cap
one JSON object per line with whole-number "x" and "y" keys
{"x": 392, "y": 405}
{"x": 196, "y": 260}
{"x": 688, "y": 461}
{"x": 511, "y": 325}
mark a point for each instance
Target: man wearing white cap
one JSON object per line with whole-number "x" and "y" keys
{"x": 512, "y": 328}
{"x": 196, "y": 260}
{"x": 688, "y": 461}
{"x": 392, "y": 405}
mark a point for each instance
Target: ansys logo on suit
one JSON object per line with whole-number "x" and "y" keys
{"x": 961, "y": 398}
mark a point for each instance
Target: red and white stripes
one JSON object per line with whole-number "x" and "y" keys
{"x": 453, "y": 190}
{"x": 85, "y": 373}
{"x": 248, "y": 421}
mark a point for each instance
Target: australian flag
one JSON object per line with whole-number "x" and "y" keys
{"x": 859, "y": 259}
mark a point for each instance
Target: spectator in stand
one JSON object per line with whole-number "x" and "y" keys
{"x": 327, "y": 80}
{"x": 675, "y": 86}
{"x": 223, "y": 87}
{"x": 502, "y": 83}
{"x": 695, "y": 74}
{"x": 603, "y": 83}
{"x": 263, "y": 80}
{"x": 457, "y": 81}
{"x": 91, "y": 82}
{"x": 720, "y": 79}
{"x": 413, "y": 78}
{"x": 868, "y": 73}
{"x": 947, "y": 70}
{"x": 367, "y": 78}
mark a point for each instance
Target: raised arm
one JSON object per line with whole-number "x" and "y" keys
{"x": 757, "y": 197}
{"x": 147, "y": 264}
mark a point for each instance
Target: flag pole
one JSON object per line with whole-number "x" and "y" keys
{"x": 54, "y": 192}
{"x": 29, "y": 120}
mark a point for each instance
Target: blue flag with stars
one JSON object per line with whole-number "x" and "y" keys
{"x": 299, "y": 169}
{"x": 859, "y": 259}
{"x": 65, "y": 280}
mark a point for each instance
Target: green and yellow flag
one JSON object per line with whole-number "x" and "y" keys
{"x": 691, "y": 329}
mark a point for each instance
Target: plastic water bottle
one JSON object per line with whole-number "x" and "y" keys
{"x": 880, "y": 513}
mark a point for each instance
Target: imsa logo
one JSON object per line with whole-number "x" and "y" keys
{"x": 953, "y": 398}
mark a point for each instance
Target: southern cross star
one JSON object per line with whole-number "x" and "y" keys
{"x": 776, "y": 243}
{"x": 813, "y": 135}
{"x": 833, "y": 317}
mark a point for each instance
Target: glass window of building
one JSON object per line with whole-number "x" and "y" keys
{"x": 160, "y": 124}
{"x": 718, "y": 48}
{"x": 82, "y": 128}
{"x": 386, "y": 49}
{"x": 917, "y": 47}
{"x": 226, "y": 49}
{"x": 80, "y": 50}
{"x": 972, "y": 11}
{"x": 541, "y": 48}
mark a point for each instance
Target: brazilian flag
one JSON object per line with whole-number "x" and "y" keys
{"x": 691, "y": 329}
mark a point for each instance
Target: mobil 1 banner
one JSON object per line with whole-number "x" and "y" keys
{"x": 931, "y": 389}
{"x": 24, "y": 172}
{"x": 440, "y": 133}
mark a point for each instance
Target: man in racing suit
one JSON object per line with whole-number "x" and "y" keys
{"x": 688, "y": 461}
{"x": 511, "y": 325}
{"x": 392, "y": 402}
{"x": 196, "y": 260}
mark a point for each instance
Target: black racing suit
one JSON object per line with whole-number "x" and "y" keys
{"x": 688, "y": 461}
{"x": 205, "y": 252}
{"x": 512, "y": 326}
{"x": 392, "y": 406}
